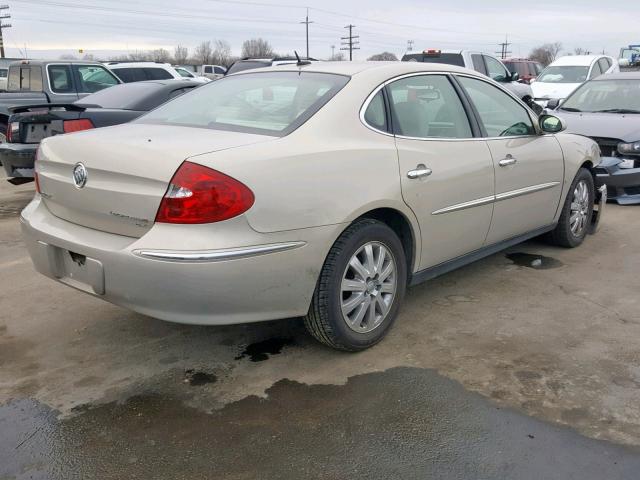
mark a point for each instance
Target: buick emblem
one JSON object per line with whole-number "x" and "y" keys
{"x": 79, "y": 175}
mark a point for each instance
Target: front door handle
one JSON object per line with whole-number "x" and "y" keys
{"x": 419, "y": 172}
{"x": 509, "y": 160}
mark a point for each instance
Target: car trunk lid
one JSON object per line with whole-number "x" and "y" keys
{"x": 126, "y": 170}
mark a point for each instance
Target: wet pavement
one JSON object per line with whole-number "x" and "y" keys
{"x": 523, "y": 365}
{"x": 403, "y": 423}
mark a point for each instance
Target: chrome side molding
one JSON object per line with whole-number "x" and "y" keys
{"x": 216, "y": 255}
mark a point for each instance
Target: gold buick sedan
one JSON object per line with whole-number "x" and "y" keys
{"x": 312, "y": 190}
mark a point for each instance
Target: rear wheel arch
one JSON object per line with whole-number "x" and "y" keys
{"x": 400, "y": 224}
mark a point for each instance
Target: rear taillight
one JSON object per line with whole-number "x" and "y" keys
{"x": 70, "y": 126}
{"x": 35, "y": 170}
{"x": 198, "y": 194}
{"x": 13, "y": 131}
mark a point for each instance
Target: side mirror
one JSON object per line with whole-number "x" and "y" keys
{"x": 553, "y": 103}
{"x": 515, "y": 76}
{"x": 551, "y": 124}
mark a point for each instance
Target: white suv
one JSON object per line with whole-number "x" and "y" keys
{"x": 140, "y": 71}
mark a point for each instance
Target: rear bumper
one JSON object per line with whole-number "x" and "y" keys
{"x": 623, "y": 184}
{"x": 160, "y": 275}
{"x": 17, "y": 159}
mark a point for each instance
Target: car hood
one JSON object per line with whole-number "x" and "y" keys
{"x": 553, "y": 90}
{"x": 604, "y": 125}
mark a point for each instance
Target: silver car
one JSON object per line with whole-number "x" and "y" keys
{"x": 319, "y": 191}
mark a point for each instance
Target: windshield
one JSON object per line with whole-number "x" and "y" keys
{"x": 184, "y": 73}
{"x": 269, "y": 103}
{"x": 566, "y": 74}
{"x": 605, "y": 95}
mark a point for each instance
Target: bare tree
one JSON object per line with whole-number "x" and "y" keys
{"x": 221, "y": 54}
{"x": 338, "y": 57}
{"x": 383, "y": 57}
{"x": 160, "y": 55}
{"x": 581, "y": 51}
{"x": 139, "y": 56}
{"x": 180, "y": 54}
{"x": 257, "y": 48}
{"x": 88, "y": 57}
{"x": 203, "y": 53}
{"x": 547, "y": 53}
{"x": 68, "y": 56}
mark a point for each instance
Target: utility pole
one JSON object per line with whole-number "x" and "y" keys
{"x": 333, "y": 52}
{"x": 351, "y": 42}
{"x": 504, "y": 53}
{"x": 3, "y": 16}
{"x": 306, "y": 23}
{"x": 410, "y": 45}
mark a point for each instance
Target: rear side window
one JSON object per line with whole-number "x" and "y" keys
{"x": 270, "y": 103}
{"x": 376, "y": 114}
{"x": 427, "y": 106}
{"x": 501, "y": 115}
{"x": 157, "y": 74}
{"x": 595, "y": 71}
{"x": 3, "y": 72}
{"x": 128, "y": 75}
{"x": 60, "y": 79}
{"x": 218, "y": 70}
{"x": 478, "y": 64}
{"x": 604, "y": 64}
{"x": 208, "y": 69}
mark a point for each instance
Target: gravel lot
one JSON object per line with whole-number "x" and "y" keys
{"x": 498, "y": 370}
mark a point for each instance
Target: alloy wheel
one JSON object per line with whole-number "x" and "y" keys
{"x": 368, "y": 287}
{"x": 579, "y": 220}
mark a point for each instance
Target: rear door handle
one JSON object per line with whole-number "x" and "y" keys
{"x": 419, "y": 172}
{"x": 509, "y": 160}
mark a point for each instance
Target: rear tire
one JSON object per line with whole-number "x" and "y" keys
{"x": 577, "y": 212}
{"x": 361, "y": 286}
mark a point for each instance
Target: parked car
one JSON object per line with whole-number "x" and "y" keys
{"x": 566, "y": 74}
{"x": 39, "y": 82}
{"x": 526, "y": 69}
{"x": 30, "y": 124}
{"x": 251, "y": 63}
{"x": 214, "y": 72}
{"x": 480, "y": 62}
{"x": 607, "y": 109}
{"x": 188, "y": 74}
{"x": 140, "y": 71}
{"x": 320, "y": 190}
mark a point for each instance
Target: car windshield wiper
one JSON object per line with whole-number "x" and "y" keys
{"x": 617, "y": 110}
{"x": 570, "y": 109}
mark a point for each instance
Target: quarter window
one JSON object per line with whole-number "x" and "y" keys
{"x": 604, "y": 64}
{"x": 595, "y": 71}
{"x": 501, "y": 115}
{"x": 376, "y": 115}
{"x": 427, "y": 106}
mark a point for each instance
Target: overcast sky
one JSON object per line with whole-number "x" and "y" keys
{"x": 50, "y": 28}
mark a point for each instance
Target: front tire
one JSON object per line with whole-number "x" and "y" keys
{"x": 577, "y": 212}
{"x": 361, "y": 287}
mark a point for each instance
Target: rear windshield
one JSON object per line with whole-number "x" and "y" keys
{"x": 566, "y": 74}
{"x": 243, "y": 65}
{"x": 127, "y": 96}
{"x": 448, "y": 58}
{"x": 269, "y": 103}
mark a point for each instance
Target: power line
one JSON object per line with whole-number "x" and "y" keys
{"x": 351, "y": 42}
{"x": 410, "y": 45}
{"x": 3, "y": 16}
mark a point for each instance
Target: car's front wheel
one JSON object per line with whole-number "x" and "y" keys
{"x": 361, "y": 287}
{"x": 577, "y": 211}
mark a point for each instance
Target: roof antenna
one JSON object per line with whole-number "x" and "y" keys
{"x": 300, "y": 62}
